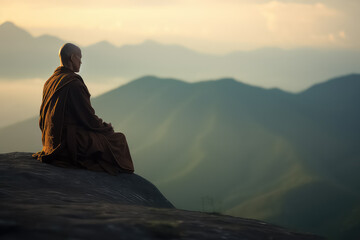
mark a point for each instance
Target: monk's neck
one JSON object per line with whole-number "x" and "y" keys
{"x": 67, "y": 68}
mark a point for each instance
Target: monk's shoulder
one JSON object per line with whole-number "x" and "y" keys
{"x": 75, "y": 81}
{"x": 77, "y": 85}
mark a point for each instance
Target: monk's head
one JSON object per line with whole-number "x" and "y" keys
{"x": 70, "y": 56}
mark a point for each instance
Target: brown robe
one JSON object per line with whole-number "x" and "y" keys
{"x": 72, "y": 135}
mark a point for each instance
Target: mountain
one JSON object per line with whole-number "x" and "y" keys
{"x": 225, "y": 146}
{"x": 10, "y": 32}
{"x": 24, "y": 56}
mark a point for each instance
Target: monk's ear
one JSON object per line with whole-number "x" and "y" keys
{"x": 72, "y": 57}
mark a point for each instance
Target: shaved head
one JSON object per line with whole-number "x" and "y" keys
{"x": 70, "y": 56}
{"x": 67, "y": 50}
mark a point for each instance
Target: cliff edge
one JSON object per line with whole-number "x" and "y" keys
{"x": 41, "y": 201}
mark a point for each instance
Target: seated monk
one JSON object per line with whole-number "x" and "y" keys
{"x": 72, "y": 135}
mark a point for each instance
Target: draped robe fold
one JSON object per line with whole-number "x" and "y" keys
{"x": 72, "y": 134}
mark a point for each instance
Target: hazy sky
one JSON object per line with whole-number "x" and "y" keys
{"x": 213, "y": 26}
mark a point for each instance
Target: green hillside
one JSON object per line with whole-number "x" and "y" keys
{"x": 228, "y": 147}
{"x": 246, "y": 151}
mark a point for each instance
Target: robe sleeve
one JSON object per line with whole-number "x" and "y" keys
{"x": 78, "y": 100}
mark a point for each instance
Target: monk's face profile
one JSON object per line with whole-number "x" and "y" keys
{"x": 76, "y": 61}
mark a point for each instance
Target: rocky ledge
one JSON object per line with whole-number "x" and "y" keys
{"x": 41, "y": 201}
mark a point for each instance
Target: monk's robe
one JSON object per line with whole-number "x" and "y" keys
{"x": 72, "y": 134}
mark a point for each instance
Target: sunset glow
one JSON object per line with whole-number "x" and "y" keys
{"x": 205, "y": 25}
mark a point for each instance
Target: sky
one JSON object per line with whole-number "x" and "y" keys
{"x": 208, "y": 26}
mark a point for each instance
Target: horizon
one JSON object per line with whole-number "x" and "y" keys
{"x": 152, "y": 41}
{"x": 208, "y": 27}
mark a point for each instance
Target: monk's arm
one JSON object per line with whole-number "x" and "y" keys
{"x": 79, "y": 102}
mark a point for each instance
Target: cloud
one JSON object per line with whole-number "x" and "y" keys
{"x": 342, "y": 34}
{"x": 300, "y": 23}
{"x": 205, "y": 25}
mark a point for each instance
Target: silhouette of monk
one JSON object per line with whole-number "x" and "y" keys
{"x": 72, "y": 134}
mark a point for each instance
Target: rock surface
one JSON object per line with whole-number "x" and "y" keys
{"x": 24, "y": 178}
{"x": 41, "y": 201}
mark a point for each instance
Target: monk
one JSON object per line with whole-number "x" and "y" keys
{"x": 72, "y": 134}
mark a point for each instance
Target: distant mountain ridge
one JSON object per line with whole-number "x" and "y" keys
{"x": 23, "y": 56}
{"x": 225, "y": 146}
